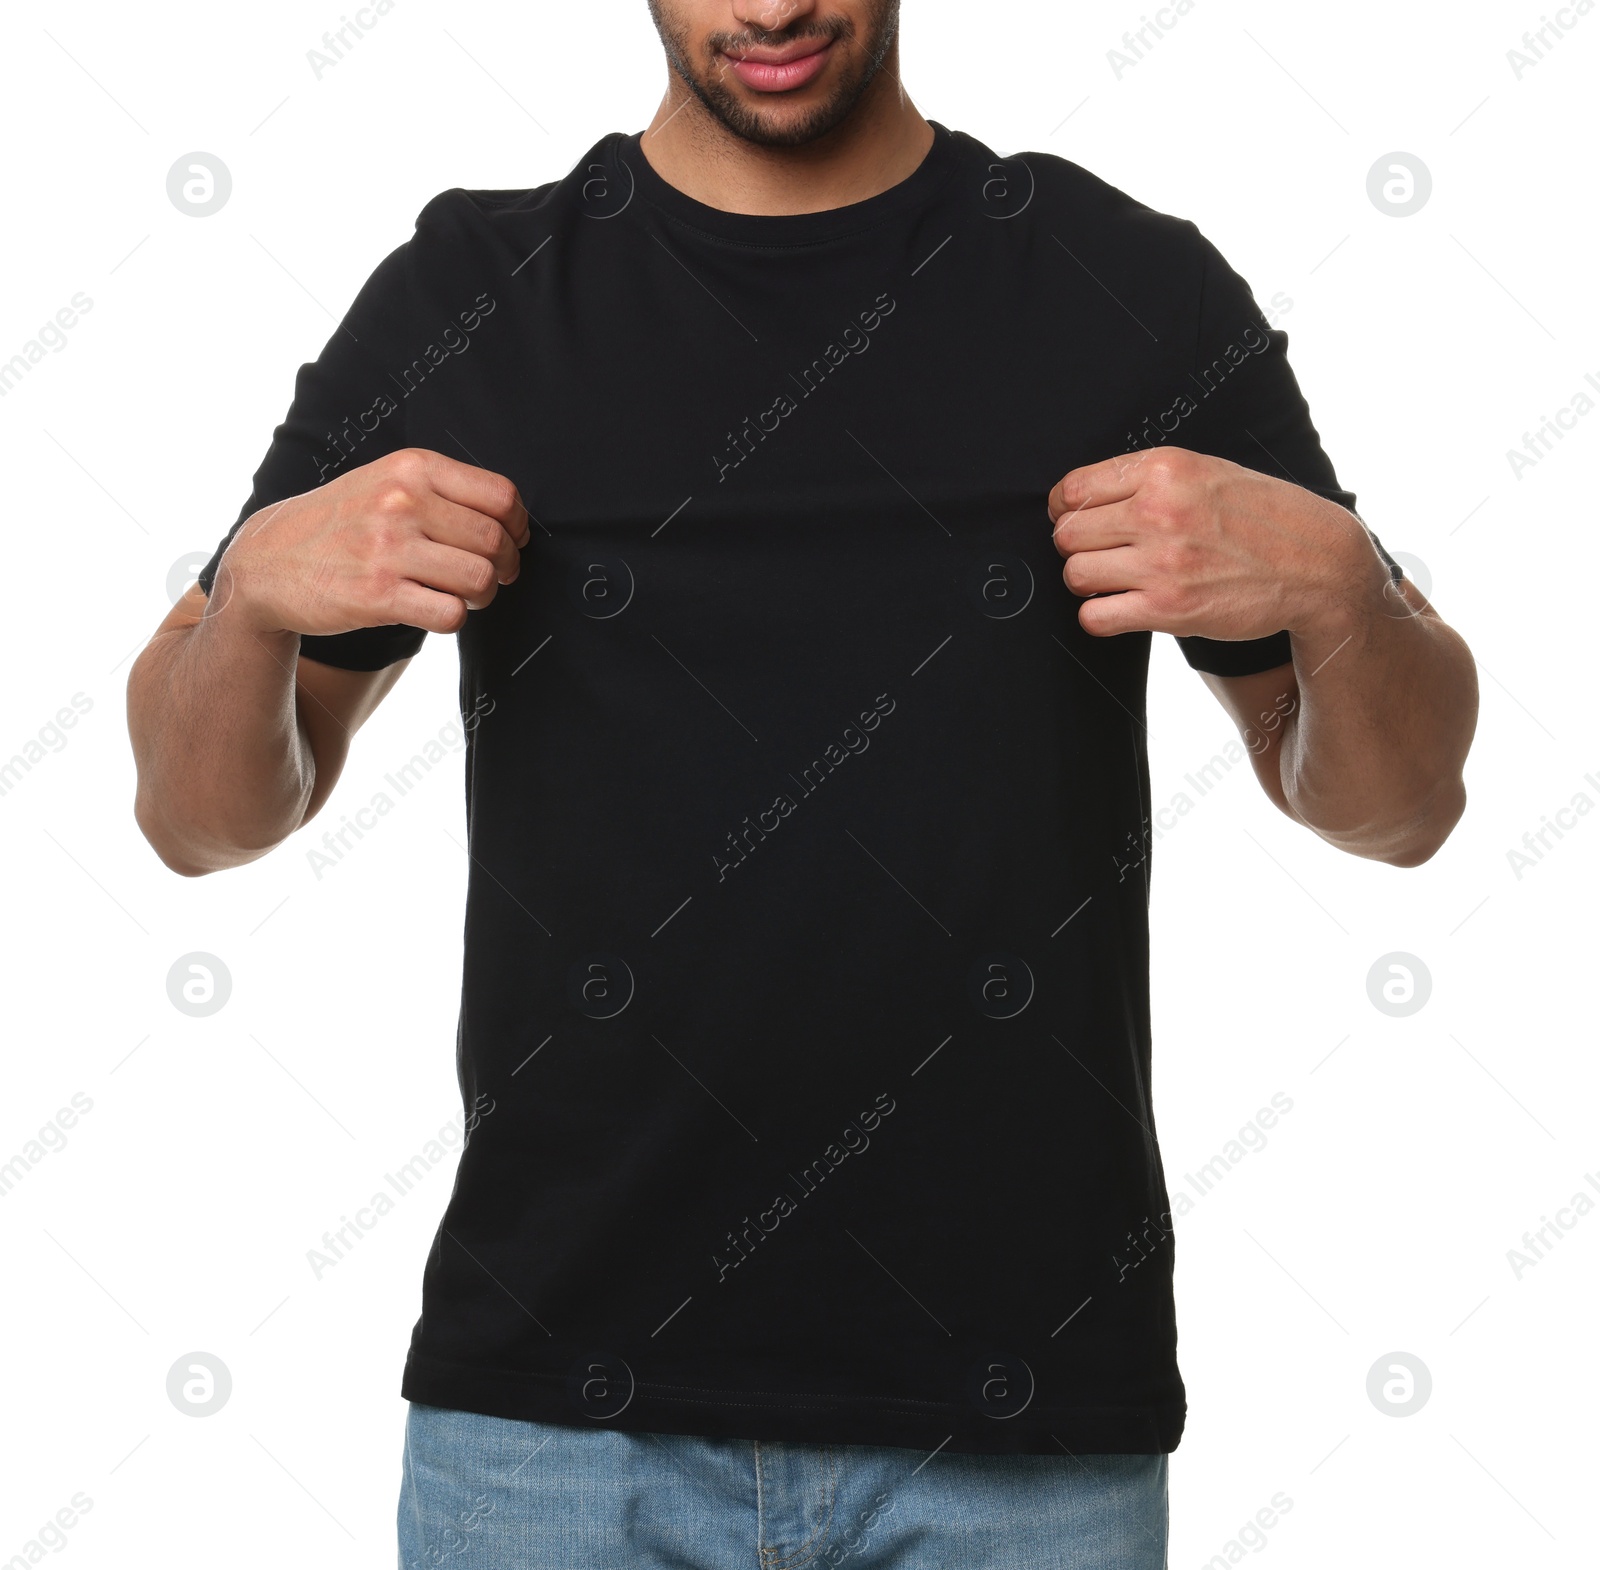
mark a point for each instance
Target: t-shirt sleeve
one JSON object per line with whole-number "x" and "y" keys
{"x": 346, "y": 412}
{"x": 1245, "y": 405}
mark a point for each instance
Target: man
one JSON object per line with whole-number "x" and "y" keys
{"x": 812, "y": 1210}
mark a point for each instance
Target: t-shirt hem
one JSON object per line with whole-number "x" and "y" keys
{"x": 815, "y": 1418}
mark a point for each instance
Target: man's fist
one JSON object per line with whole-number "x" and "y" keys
{"x": 413, "y": 537}
{"x": 1168, "y": 540}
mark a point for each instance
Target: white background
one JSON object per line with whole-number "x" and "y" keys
{"x": 1419, "y": 1149}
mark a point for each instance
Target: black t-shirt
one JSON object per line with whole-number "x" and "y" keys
{"x": 804, "y": 1035}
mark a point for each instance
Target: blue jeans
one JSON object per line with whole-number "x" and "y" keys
{"x": 490, "y": 1493}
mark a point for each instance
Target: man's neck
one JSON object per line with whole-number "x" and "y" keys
{"x": 880, "y": 144}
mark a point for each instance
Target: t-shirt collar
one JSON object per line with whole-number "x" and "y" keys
{"x": 784, "y": 229}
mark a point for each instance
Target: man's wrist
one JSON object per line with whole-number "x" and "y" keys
{"x": 231, "y": 615}
{"x": 1352, "y": 587}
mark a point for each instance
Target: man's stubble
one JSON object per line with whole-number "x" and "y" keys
{"x": 706, "y": 80}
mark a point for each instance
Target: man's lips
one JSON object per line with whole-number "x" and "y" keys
{"x": 781, "y": 70}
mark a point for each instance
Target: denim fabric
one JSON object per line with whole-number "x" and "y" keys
{"x": 490, "y": 1493}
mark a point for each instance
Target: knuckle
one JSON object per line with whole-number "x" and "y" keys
{"x": 382, "y": 538}
{"x": 454, "y": 616}
{"x": 503, "y": 494}
{"x": 409, "y": 464}
{"x": 1162, "y": 475}
{"x": 489, "y": 538}
{"x": 393, "y": 500}
{"x": 481, "y": 577}
{"x": 1186, "y": 555}
{"x": 379, "y": 591}
{"x": 1158, "y": 510}
{"x": 1176, "y": 558}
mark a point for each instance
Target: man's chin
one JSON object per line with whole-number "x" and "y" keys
{"x": 766, "y": 129}
{"x": 769, "y": 120}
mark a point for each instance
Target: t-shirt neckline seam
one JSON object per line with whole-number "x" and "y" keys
{"x": 942, "y": 154}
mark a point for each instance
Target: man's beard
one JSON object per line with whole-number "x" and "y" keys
{"x": 750, "y": 124}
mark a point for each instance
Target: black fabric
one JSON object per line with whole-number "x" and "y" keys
{"x": 804, "y": 1036}
{"x": 349, "y": 407}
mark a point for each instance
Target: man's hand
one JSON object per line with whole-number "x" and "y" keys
{"x": 1378, "y": 706}
{"x": 414, "y": 538}
{"x": 1168, "y": 540}
{"x": 238, "y": 740}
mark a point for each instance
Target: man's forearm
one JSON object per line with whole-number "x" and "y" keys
{"x": 224, "y": 769}
{"x": 1372, "y": 755}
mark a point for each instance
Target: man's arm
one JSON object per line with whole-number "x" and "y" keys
{"x": 237, "y": 740}
{"x": 1393, "y": 796}
{"x": 1363, "y": 736}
